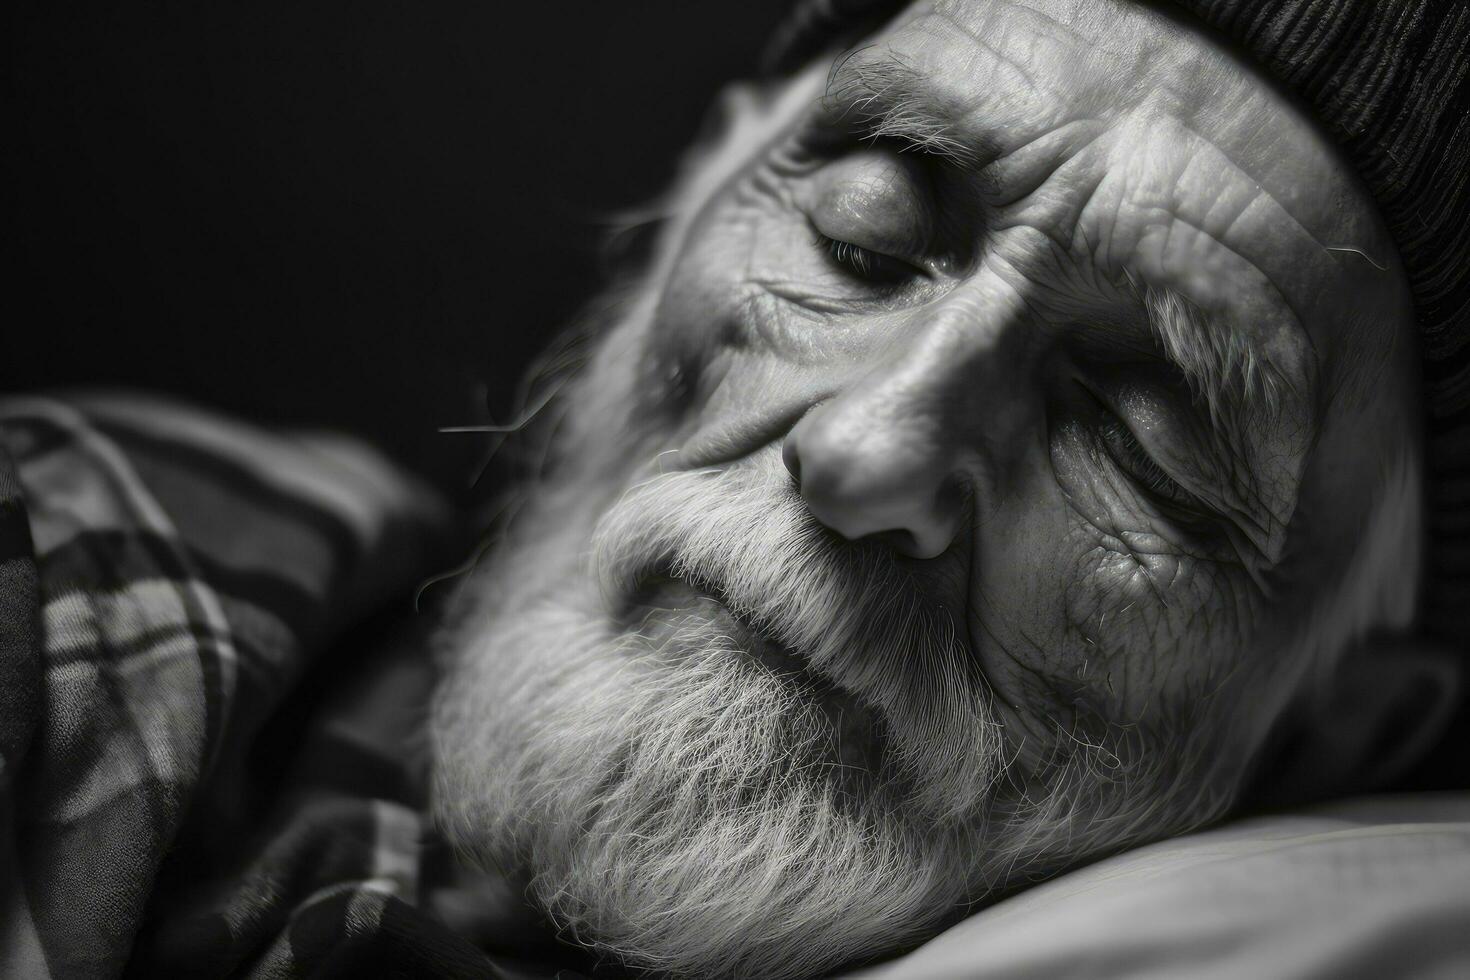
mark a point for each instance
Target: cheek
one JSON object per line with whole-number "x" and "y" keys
{"x": 750, "y": 274}
{"x": 1077, "y": 598}
{"x": 701, "y": 307}
{"x": 732, "y": 326}
{"x": 1160, "y": 632}
{"x": 742, "y": 237}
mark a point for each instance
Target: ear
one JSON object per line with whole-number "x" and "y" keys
{"x": 1383, "y": 707}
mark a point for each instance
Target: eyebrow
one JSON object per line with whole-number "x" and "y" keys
{"x": 887, "y": 99}
{"x": 1223, "y": 369}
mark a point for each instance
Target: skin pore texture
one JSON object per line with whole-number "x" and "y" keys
{"x": 1016, "y": 419}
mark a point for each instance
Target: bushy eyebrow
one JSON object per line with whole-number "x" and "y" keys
{"x": 887, "y": 99}
{"x": 1225, "y": 371}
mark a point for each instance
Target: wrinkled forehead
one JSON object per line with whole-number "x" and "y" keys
{"x": 1002, "y": 78}
{"x": 1008, "y": 72}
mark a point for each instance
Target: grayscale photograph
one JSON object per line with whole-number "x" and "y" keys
{"x": 785, "y": 490}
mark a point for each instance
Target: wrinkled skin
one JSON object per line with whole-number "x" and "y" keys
{"x": 1200, "y": 177}
{"x": 978, "y": 394}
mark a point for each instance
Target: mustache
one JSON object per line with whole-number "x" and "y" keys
{"x": 847, "y": 609}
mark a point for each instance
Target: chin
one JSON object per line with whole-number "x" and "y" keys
{"x": 674, "y": 801}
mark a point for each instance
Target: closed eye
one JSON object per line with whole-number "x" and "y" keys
{"x": 866, "y": 264}
{"x": 1129, "y": 455}
{"x": 1124, "y": 448}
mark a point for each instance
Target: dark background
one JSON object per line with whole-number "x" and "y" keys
{"x": 367, "y": 215}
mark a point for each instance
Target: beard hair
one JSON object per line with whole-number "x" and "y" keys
{"x": 846, "y": 609}
{"x": 678, "y": 818}
{"x": 681, "y": 805}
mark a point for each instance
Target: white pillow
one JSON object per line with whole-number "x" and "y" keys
{"x": 1365, "y": 888}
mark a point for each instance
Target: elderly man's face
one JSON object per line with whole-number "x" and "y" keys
{"x": 1013, "y": 421}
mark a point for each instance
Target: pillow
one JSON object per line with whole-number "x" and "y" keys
{"x": 1366, "y": 888}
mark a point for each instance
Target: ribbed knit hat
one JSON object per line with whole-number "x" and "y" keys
{"x": 1390, "y": 80}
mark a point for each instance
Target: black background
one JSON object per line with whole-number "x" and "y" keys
{"x": 365, "y": 215}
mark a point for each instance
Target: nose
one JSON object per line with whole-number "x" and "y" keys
{"x": 863, "y": 476}
{"x": 896, "y": 453}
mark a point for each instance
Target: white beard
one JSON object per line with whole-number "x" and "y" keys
{"x": 677, "y": 817}
{"x": 683, "y": 805}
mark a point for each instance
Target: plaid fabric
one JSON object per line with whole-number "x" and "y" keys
{"x": 178, "y": 795}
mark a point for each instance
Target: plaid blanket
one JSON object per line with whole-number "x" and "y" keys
{"x": 211, "y": 688}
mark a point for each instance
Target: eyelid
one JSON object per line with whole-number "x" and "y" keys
{"x": 1142, "y": 466}
{"x": 868, "y": 264}
{"x": 1120, "y": 439}
{"x": 876, "y": 199}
